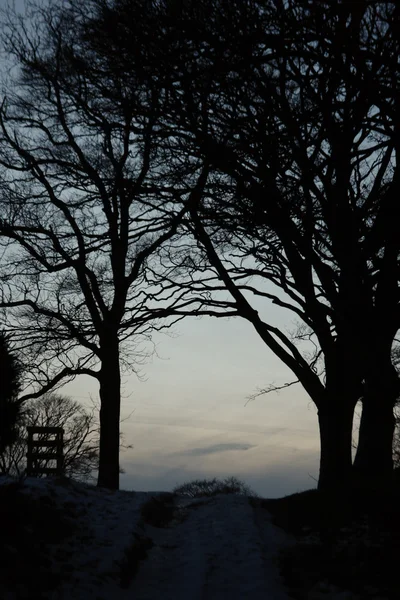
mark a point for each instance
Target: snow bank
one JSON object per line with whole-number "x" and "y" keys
{"x": 214, "y": 548}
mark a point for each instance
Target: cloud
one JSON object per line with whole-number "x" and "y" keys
{"x": 216, "y": 448}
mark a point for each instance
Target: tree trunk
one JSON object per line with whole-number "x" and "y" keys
{"x": 335, "y": 426}
{"x": 374, "y": 456}
{"x": 373, "y": 463}
{"x": 110, "y": 408}
{"x": 335, "y": 419}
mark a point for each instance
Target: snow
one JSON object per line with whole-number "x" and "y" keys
{"x": 217, "y": 551}
{"x": 214, "y": 548}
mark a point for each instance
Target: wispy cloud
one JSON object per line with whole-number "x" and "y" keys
{"x": 216, "y": 448}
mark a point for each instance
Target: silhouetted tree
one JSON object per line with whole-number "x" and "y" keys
{"x": 88, "y": 199}
{"x": 293, "y": 108}
{"x": 10, "y": 376}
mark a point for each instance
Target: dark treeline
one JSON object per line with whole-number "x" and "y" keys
{"x": 183, "y": 158}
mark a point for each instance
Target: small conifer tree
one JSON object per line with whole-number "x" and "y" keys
{"x": 10, "y": 378}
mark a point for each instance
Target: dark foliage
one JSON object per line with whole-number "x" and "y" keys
{"x": 10, "y": 375}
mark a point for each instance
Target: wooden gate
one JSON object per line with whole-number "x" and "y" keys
{"x": 45, "y": 451}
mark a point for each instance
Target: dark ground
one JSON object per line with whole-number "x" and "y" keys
{"x": 349, "y": 548}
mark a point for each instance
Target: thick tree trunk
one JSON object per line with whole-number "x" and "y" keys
{"x": 335, "y": 426}
{"x": 373, "y": 463}
{"x": 110, "y": 408}
{"x": 374, "y": 456}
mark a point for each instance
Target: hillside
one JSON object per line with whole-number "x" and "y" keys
{"x": 64, "y": 540}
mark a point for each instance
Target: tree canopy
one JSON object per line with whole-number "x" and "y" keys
{"x": 88, "y": 199}
{"x": 177, "y": 158}
{"x": 293, "y": 108}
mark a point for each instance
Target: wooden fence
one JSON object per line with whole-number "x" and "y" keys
{"x": 45, "y": 446}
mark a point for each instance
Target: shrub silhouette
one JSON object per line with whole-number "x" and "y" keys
{"x": 199, "y": 488}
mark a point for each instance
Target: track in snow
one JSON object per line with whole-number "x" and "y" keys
{"x": 220, "y": 548}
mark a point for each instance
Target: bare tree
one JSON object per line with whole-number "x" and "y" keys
{"x": 81, "y": 436}
{"x": 293, "y": 107}
{"x": 322, "y": 174}
{"x": 88, "y": 199}
{"x": 275, "y": 125}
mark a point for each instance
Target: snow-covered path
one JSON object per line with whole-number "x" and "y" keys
{"x": 218, "y": 548}
{"x": 215, "y": 548}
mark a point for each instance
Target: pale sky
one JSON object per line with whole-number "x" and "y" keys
{"x": 189, "y": 418}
